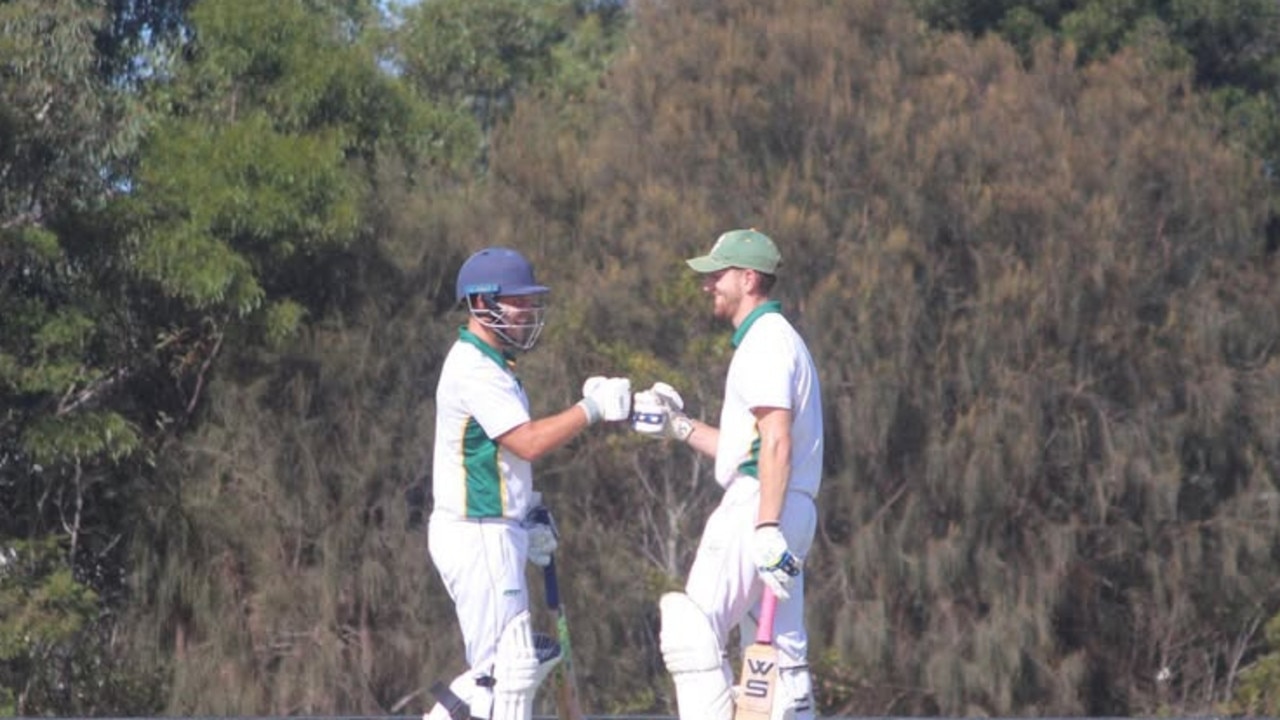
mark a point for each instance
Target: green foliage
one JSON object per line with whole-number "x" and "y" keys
{"x": 62, "y": 134}
{"x": 584, "y": 55}
{"x": 283, "y": 321}
{"x": 1099, "y": 29}
{"x": 86, "y": 435}
{"x": 42, "y": 613}
{"x": 1258, "y": 692}
{"x": 41, "y": 244}
{"x": 476, "y": 56}
{"x": 1233, "y": 42}
{"x": 129, "y": 265}
{"x": 54, "y": 328}
{"x": 460, "y": 50}
{"x": 1039, "y": 290}
{"x": 246, "y": 199}
{"x": 1024, "y": 29}
{"x": 254, "y": 171}
{"x": 980, "y": 16}
{"x": 60, "y": 126}
{"x": 56, "y": 653}
{"x": 42, "y": 605}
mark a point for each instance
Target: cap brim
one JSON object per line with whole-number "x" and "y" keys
{"x": 706, "y": 264}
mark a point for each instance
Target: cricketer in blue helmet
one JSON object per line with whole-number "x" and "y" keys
{"x": 488, "y": 520}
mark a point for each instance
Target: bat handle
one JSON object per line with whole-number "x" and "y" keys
{"x": 552, "y": 585}
{"x": 768, "y": 609}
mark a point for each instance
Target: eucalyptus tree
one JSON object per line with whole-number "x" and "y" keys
{"x": 65, "y": 129}
{"x": 69, "y": 126}
{"x": 170, "y": 186}
{"x": 478, "y": 56}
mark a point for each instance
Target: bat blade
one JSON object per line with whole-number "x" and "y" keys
{"x": 564, "y": 681}
{"x": 757, "y": 684}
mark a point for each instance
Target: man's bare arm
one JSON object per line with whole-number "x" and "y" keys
{"x": 775, "y": 461}
{"x": 538, "y": 437}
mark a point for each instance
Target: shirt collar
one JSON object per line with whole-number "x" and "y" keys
{"x": 504, "y": 360}
{"x": 772, "y": 306}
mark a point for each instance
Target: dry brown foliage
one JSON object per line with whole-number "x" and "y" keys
{"x": 1045, "y": 320}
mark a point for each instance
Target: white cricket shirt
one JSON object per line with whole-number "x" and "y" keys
{"x": 479, "y": 398}
{"x": 771, "y": 367}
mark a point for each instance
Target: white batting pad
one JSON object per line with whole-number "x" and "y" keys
{"x": 794, "y": 700}
{"x": 695, "y": 660}
{"x": 516, "y": 671}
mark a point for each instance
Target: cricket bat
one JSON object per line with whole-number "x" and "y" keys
{"x": 759, "y": 667}
{"x": 563, "y": 680}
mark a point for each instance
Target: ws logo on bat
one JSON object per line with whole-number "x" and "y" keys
{"x": 759, "y": 667}
{"x": 759, "y": 681}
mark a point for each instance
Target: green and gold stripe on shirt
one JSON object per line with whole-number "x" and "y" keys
{"x": 485, "y": 486}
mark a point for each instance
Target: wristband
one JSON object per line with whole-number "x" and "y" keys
{"x": 592, "y": 410}
{"x": 681, "y": 427}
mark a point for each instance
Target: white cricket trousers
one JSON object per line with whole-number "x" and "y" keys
{"x": 723, "y": 580}
{"x": 482, "y": 565}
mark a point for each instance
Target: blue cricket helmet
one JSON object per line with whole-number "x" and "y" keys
{"x": 497, "y": 271}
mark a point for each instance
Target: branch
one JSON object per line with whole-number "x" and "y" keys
{"x": 70, "y": 404}
{"x": 1242, "y": 645}
{"x": 204, "y": 368}
{"x": 73, "y": 529}
{"x": 30, "y": 217}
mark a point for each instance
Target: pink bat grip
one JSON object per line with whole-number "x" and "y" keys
{"x": 768, "y": 608}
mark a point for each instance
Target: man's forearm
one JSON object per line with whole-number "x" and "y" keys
{"x": 774, "y": 474}
{"x": 704, "y": 438}
{"x": 538, "y": 437}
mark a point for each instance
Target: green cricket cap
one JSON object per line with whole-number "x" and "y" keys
{"x": 750, "y": 249}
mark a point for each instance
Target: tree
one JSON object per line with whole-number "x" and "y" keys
{"x": 478, "y": 56}
{"x": 53, "y": 656}
{"x": 44, "y": 611}
{"x": 1230, "y": 45}
{"x": 158, "y": 209}
{"x": 65, "y": 131}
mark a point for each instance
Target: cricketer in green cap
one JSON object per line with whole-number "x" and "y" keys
{"x": 748, "y": 249}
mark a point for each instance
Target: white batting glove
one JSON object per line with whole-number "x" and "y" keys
{"x": 543, "y": 536}
{"x": 775, "y": 563}
{"x": 588, "y": 405}
{"x": 605, "y": 398}
{"x": 648, "y": 414}
{"x": 658, "y": 412}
